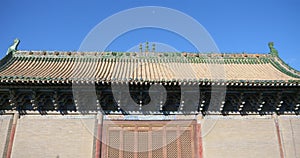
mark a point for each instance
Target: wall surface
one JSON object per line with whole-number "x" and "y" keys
{"x": 290, "y": 131}
{"x": 54, "y": 136}
{"x": 239, "y": 137}
{"x": 59, "y": 136}
{"x": 4, "y": 131}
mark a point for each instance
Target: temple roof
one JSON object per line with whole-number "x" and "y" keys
{"x": 67, "y": 67}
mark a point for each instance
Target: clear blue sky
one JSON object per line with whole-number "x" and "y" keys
{"x": 235, "y": 25}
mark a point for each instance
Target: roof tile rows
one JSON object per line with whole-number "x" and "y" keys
{"x": 126, "y": 67}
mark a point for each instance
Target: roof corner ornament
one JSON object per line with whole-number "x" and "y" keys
{"x": 13, "y": 47}
{"x": 273, "y": 51}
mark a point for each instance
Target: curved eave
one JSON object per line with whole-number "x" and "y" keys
{"x": 285, "y": 68}
{"x": 6, "y": 60}
{"x": 248, "y": 83}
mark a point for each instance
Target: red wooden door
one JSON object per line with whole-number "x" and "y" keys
{"x": 147, "y": 139}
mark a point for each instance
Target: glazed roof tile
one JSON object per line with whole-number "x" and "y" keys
{"x": 143, "y": 67}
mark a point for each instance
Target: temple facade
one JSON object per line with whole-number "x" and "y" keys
{"x": 148, "y": 104}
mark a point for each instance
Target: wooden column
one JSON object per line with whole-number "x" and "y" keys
{"x": 278, "y": 136}
{"x": 178, "y": 132}
{"x": 150, "y": 149}
{"x": 135, "y": 142}
{"x": 12, "y": 135}
{"x": 164, "y": 142}
{"x": 193, "y": 137}
{"x": 198, "y": 131}
{"x": 104, "y": 135}
{"x": 121, "y": 146}
{"x": 99, "y": 135}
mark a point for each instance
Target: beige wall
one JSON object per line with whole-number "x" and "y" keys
{"x": 231, "y": 136}
{"x": 290, "y": 131}
{"x": 239, "y": 137}
{"x": 54, "y": 136}
{"x": 4, "y": 126}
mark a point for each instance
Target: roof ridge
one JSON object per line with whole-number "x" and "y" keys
{"x": 210, "y": 58}
{"x": 31, "y": 53}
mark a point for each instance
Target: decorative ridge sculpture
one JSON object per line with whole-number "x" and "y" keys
{"x": 273, "y": 51}
{"x": 13, "y": 47}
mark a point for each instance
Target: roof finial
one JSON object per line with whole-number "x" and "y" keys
{"x": 153, "y": 47}
{"x": 147, "y": 46}
{"x": 13, "y": 47}
{"x": 273, "y": 51}
{"x": 141, "y": 47}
